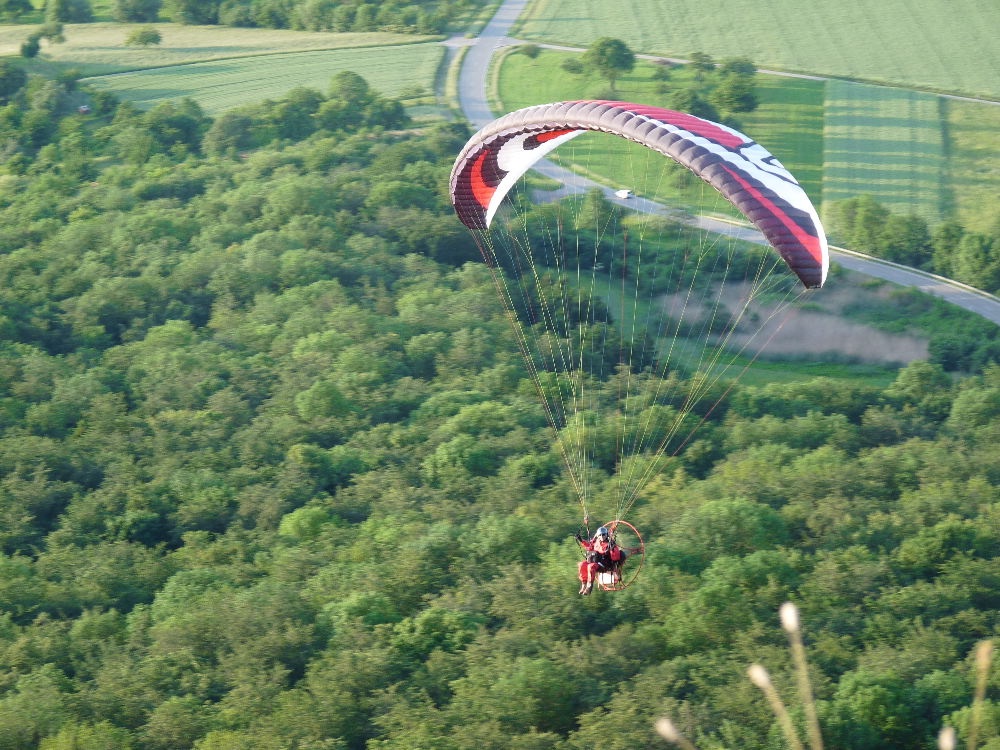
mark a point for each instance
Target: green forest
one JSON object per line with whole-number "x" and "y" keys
{"x": 274, "y": 474}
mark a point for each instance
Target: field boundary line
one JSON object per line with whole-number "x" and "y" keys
{"x": 436, "y": 40}
{"x": 450, "y": 92}
{"x": 783, "y": 73}
{"x": 493, "y": 76}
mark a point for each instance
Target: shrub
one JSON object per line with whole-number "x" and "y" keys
{"x": 144, "y": 36}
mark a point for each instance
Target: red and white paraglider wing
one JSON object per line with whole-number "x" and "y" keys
{"x": 742, "y": 170}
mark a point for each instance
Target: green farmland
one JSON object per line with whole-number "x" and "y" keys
{"x": 943, "y": 45}
{"x": 884, "y": 142}
{"x": 219, "y": 85}
{"x": 788, "y": 122}
{"x": 915, "y": 152}
{"x": 99, "y": 48}
{"x": 973, "y": 179}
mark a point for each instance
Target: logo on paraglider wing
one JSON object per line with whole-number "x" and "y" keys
{"x": 765, "y": 161}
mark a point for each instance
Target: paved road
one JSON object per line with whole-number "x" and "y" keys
{"x": 472, "y": 97}
{"x": 475, "y": 66}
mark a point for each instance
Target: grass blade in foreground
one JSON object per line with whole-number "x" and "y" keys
{"x": 669, "y": 732}
{"x": 790, "y": 622}
{"x": 759, "y": 677}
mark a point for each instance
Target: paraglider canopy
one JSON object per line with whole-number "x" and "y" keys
{"x": 634, "y": 327}
{"x": 743, "y": 171}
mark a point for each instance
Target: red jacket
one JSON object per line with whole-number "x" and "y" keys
{"x": 604, "y": 549}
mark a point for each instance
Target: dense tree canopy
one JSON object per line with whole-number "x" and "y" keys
{"x": 865, "y": 225}
{"x": 272, "y": 474}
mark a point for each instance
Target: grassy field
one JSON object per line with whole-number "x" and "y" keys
{"x": 223, "y": 84}
{"x": 973, "y": 175}
{"x": 944, "y": 45}
{"x": 915, "y": 152}
{"x": 886, "y": 142}
{"x": 99, "y": 48}
{"x": 789, "y": 123}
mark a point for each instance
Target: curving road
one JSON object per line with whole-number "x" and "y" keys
{"x": 472, "y": 97}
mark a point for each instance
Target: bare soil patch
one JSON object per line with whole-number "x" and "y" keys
{"x": 813, "y": 327}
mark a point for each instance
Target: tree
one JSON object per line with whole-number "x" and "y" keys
{"x": 228, "y": 134}
{"x": 342, "y": 18}
{"x": 69, "y": 11}
{"x": 977, "y": 262}
{"x": 136, "y": 11}
{"x": 30, "y": 46}
{"x": 387, "y": 113}
{"x": 741, "y": 66}
{"x": 192, "y": 11}
{"x": 735, "y": 93}
{"x": 271, "y": 14}
{"x": 364, "y": 18}
{"x": 661, "y": 71}
{"x": 688, "y": 100}
{"x": 572, "y": 65}
{"x": 176, "y": 124}
{"x": 12, "y": 9}
{"x": 944, "y": 243}
{"x": 294, "y": 117}
{"x": 905, "y": 239}
{"x": 52, "y": 31}
{"x": 236, "y": 13}
{"x": 610, "y": 57}
{"x": 144, "y": 36}
{"x": 702, "y": 63}
{"x": 12, "y": 78}
{"x": 595, "y": 211}
{"x": 865, "y": 232}
{"x": 951, "y": 351}
{"x": 350, "y": 87}
{"x": 74, "y": 736}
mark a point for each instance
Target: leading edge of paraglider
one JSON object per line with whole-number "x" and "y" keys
{"x": 742, "y": 170}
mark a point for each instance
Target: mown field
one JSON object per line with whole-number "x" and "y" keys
{"x": 884, "y": 142}
{"x": 789, "y": 121}
{"x": 219, "y": 85}
{"x": 99, "y": 48}
{"x": 973, "y": 175}
{"x": 944, "y": 45}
